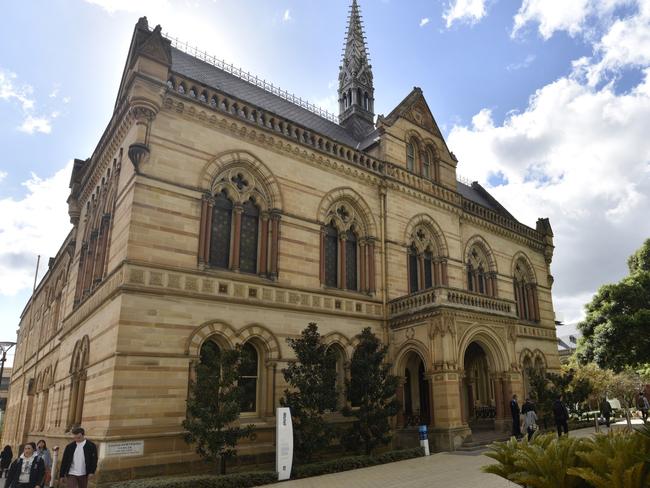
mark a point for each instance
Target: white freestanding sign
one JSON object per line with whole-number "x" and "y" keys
{"x": 283, "y": 443}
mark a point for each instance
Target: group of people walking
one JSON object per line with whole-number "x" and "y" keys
{"x": 561, "y": 415}
{"x": 33, "y": 468}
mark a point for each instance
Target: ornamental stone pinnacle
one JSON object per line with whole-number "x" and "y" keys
{"x": 356, "y": 91}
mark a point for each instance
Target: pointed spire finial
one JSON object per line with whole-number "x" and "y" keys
{"x": 356, "y": 91}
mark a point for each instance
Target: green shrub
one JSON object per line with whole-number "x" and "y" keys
{"x": 354, "y": 462}
{"x": 235, "y": 480}
{"x": 613, "y": 460}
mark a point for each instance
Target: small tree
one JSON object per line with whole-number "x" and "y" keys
{"x": 214, "y": 405}
{"x": 372, "y": 388}
{"x": 312, "y": 378}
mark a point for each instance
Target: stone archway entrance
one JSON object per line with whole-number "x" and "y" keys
{"x": 416, "y": 396}
{"x": 478, "y": 395}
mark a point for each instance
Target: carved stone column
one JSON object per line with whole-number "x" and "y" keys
{"x": 342, "y": 261}
{"x": 270, "y": 390}
{"x": 275, "y": 243}
{"x": 445, "y": 278}
{"x": 204, "y": 216}
{"x": 498, "y": 396}
{"x": 321, "y": 263}
{"x": 371, "y": 266}
{"x": 437, "y": 275}
{"x": 237, "y": 213}
{"x": 363, "y": 261}
{"x": 264, "y": 244}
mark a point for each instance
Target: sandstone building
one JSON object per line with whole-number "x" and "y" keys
{"x": 217, "y": 209}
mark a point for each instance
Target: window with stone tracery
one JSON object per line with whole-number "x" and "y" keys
{"x": 410, "y": 155}
{"x": 525, "y": 291}
{"x": 239, "y": 230}
{"x": 426, "y": 266}
{"x": 480, "y": 278}
{"x": 347, "y": 252}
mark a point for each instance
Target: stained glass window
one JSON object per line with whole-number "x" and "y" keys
{"x": 249, "y": 236}
{"x": 413, "y": 269}
{"x": 428, "y": 275}
{"x": 248, "y": 378}
{"x": 221, "y": 228}
{"x": 351, "y": 261}
{"x": 331, "y": 255}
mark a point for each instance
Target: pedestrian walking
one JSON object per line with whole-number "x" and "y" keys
{"x": 561, "y": 415}
{"x": 644, "y": 406}
{"x": 5, "y": 460}
{"x": 606, "y": 411}
{"x": 27, "y": 471}
{"x": 79, "y": 460}
{"x": 530, "y": 422}
{"x": 43, "y": 453}
{"x": 528, "y": 405}
{"x": 516, "y": 421}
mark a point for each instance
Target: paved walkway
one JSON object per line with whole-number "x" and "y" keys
{"x": 445, "y": 469}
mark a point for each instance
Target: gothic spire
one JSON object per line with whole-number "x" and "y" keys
{"x": 356, "y": 92}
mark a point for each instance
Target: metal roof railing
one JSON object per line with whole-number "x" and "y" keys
{"x": 252, "y": 79}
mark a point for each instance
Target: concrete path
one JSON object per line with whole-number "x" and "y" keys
{"x": 445, "y": 469}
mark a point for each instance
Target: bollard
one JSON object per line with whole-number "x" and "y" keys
{"x": 424, "y": 439}
{"x": 597, "y": 425}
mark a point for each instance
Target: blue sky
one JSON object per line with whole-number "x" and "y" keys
{"x": 547, "y": 103}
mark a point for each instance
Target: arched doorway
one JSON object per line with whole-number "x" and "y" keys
{"x": 478, "y": 389}
{"x": 416, "y": 401}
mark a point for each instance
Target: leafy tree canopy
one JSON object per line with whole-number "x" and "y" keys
{"x": 616, "y": 328}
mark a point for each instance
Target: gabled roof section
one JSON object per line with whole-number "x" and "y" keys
{"x": 200, "y": 71}
{"x": 415, "y": 109}
{"x": 480, "y": 195}
{"x": 150, "y": 44}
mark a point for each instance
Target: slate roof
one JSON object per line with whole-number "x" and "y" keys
{"x": 188, "y": 66}
{"x": 473, "y": 195}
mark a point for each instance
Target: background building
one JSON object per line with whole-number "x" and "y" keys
{"x": 217, "y": 210}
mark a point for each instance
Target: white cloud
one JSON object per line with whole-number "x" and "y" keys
{"x": 563, "y": 15}
{"x": 9, "y": 91}
{"x": 468, "y": 11}
{"x": 286, "y": 16}
{"x": 33, "y": 124}
{"x": 424, "y": 21}
{"x": 3, "y": 175}
{"x": 23, "y": 94}
{"x": 112, "y": 6}
{"x": 522, "y": 64}
{"x": 579, "y": 153}
{"x": 35, "y": 224}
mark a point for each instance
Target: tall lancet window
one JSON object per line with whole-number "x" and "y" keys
{"x": 331, "y": 255}
{"x": 410, "y": 155}
{"x": 351, "y": 260}
{"x": 221, "y": 229}
{"x": 249, "y": 237}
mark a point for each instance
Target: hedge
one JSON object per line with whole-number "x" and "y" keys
{"x": 354, "y": 462}
{"x": 257, "y": 478}
{"x": 235, "y": 480}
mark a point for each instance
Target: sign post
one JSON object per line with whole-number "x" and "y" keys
{"x": 283, "y": 443}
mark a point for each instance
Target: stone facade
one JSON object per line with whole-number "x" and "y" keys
{"x": 458, "y": 289}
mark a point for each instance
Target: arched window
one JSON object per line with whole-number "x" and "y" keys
{"x": 366, "y": 101}
{"x": 209, "y": 348}
{"x": 331, "y": 255}
{"x": 426, "y": 164}
{"x": 349, "y": 98}
{"x": 248, "y": 378}
{"x": 351, "y": 261}
{"x": 480, "y": 279}
{"x": 525, "y": 291}
{"x": 249, "y": 237}
{"x": 414, "y": 282}
{"x": 78, "y": 366}
{"x": 410, "y": 155}
{"x": 359, "y": 97}
{"x": 221, "y": 231}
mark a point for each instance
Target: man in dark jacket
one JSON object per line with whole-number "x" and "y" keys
{"x": 561, "y": 415}
{"x": 27, "y": 471}
{"x": 516, "y": 421}
{"x": 79, "y": 460}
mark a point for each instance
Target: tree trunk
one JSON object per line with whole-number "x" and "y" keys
{"x": 222, "y": 465}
